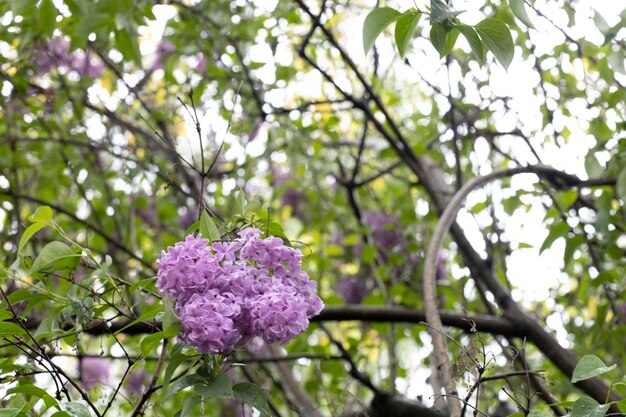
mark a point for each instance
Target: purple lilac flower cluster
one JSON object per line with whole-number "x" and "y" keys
{"x": 55, "y": 54}
{"x": 94, "y": 370}
{"x": 354, "y": 288}
{"x": 229, "y": 292}
{"x": 385, "y": 230}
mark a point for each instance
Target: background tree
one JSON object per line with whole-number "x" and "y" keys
{"x": 127, "y": 125}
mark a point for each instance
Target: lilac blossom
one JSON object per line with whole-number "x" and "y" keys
{"x": 232, "y": 291}
{"x": 353, "y": 289}
{"x": 55, "y": 54}
{"x": 202, "y": 64}
{"x": 50, "y": 56}
{"x": 136, "y": 382}
{"x": 88, "y": 66}
{"x": 94, "y": 370}
{"x": 297, "y": 200}
{"x": 164, "y": 49}
{"x": 385, "y": 230}
{"x": 292, "y": 196}
{"x": 620, "y": 310}
{"x": 280, "y": 315}
{"x": 208, "y": 321}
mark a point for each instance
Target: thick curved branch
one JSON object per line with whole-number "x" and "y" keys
{"x": 433, "y": 316}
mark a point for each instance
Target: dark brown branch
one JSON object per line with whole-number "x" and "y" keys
{"x": 382, "y": 314}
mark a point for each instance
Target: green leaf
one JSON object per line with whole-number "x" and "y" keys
{"x": 253, "y": 395}
{"x": 92, "y": 23}
{"x": 28, "y": 233}
{"x": 240, "y": 201}
{"x": 588, "y": 407}
{"x": 375, "y": 22}
{"x": 170, "y": 320}
{"x": 47, "y": 16}
{"x": 274, "y": 229}
{"x": 23, "y": 7}
{"x": 568, "y": 404}
{"x": 143, "y": 317}
{"x": 451, "y": 38}
{"x": 439, "y": 11}
{"x": 181, "y": 384}
{"x": 443, "y": 40}
{"x": 194, "y": 226}
{"x": 518, "y": 9}
{"x": 475, "y": 44}
{"x": 176, "y": 358}
{"x": 10, "y": 329}
{"x": 368, "y": 254}
{"x": 405, "y": 29}
{"x": 55, "y": 255}
{"x": 218, "y": 387}
{"x": 556, "y": 231}
{"x": 150, "y": 342}
{"x": 589, "y": 366}
{"x": 592, "y": 166}
{"x": 568, "y": 198}
{"x": 10, "y": 412}
{"x": 537, "y": 413}
{"x": 28, "y": 389}
{"x": 438, "y": 36}
{"x": 76, "y": 409}
{"x": 128, "y": 46}
{"x": 189, "y": 405}
{"x": 42, "y": 214}
{"x": 571, "y": 244}
{"x": 600, "y": 23}
{"x": 496, "y": 35}
{"x": 208, "y": 228}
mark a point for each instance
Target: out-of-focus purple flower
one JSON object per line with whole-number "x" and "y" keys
{"x": 187, "y": 218}
{"x": 148, "y": 216}
{"x": 165, "y": 49}
{"x": 230, "y": 292}
{"x": 136, "y": 382}
{"x": 620, "y": 310}
{"x": 94, "y": 371}
{"x": 297, "y": 200}
{"x": 201, "y": 67}
{"x": 353, "y": 289}
{"x": 55, "y": 54}
{"x": 292, "y": 196}
{"x": 52, "y": 55}
{"x": 233, "y": 408}
{"x": 385, "y": 230}
{"x": 90, "y": 66}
